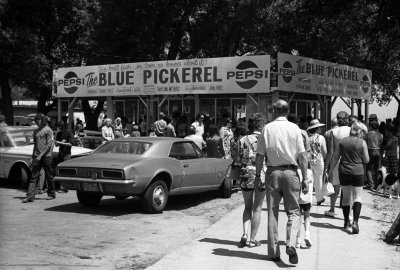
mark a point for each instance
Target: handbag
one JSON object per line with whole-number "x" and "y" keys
{"x": 327, "y": 189}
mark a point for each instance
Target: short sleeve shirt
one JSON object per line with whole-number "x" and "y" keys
{"x": 281, "y": 141}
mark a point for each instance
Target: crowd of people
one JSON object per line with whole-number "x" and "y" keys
{"x": 287, "y": 158}
{"x": 290, "y": 158}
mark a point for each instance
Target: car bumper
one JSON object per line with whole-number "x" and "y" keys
{"x": 104, "y": 186}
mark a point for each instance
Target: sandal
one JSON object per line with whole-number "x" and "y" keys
{"x": 243, "y": 240}
{"x": 254, "y": 243}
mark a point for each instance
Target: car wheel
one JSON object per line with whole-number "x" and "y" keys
{"x": 226, "y": 188}
{"x": 19, "y": 177}
{"x": 155, "y": 198}
{"x": 121, "y": 198}
{"x": 88, "y": 199}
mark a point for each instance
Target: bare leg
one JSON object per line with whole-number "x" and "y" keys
{"x": 247, "y": 212}
{"x": 256, "y": 218}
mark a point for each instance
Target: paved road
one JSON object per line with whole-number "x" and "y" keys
{"x": 61, "y": 234}
{"x": 333, "y": 247}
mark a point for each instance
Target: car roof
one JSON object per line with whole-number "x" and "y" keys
{"x": 160, "y": 145}
{"x": 17, "y": 128}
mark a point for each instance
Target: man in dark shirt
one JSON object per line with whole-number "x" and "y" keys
{"x": 41, "y": 158}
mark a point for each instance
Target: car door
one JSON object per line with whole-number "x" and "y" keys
{"x": 199, "y": 172}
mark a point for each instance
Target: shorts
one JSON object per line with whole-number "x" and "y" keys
{"x": 351, "y": 180}
{"x": 305, "y": 207}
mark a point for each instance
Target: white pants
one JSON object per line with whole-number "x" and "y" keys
{"x": 318, "y": 172}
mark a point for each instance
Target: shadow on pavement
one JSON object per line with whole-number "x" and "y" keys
{"x": 247, "y": 255}
{"x": 226, "y": 242}
{"x": 109, "y": 206}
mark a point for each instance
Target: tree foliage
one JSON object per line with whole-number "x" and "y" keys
{"x": 38, "y": 36}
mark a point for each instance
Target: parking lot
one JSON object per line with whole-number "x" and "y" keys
{"x": 61, "y": 234}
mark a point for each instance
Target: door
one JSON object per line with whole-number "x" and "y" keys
{"x": 199, "y": 172}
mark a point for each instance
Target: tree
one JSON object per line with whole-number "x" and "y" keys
{"x": 36, "y": 37}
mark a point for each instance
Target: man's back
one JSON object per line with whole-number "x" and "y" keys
{"x": 281, "y": 143}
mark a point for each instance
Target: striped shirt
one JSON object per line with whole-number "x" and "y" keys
{"x": 43, "y": 139}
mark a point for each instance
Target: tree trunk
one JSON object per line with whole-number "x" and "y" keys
{"x": 91, "y": 116}
{"x": 394, "y": 230}
{"x": 5, "y": 100}
{"x": 44, "y": 96}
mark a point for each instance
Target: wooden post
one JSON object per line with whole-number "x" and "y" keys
{"x": 394, "y": 231}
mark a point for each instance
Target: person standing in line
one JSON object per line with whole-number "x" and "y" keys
{"x": 198, "y": 140}
{"x": 253, "y": 198}
{"x": 199, "y": 124}
{"x": 214, "y": 143}
{"x": 152, "y": 132}
{"x": 107, "y": 131}
{"x": 391, "y": 150}
{"x": 238, "y": 134}
{"x": 353, "y": 155}
{"x": 318, "y": 154}
{"x": 41, "y": 158}
{"x": 328, "y": 133}
{"x": 117, "y": 128}
{"x": 169, "y": 130}
{"x": 64, "y": 139}
{"x": 336, "y": 136}
{"x": 135, "y": 131}
{"x": 225, "y": 132}
{"x": 160, "y": 125}
{"x": 281, "y": 145}
{"x": 374, "y": 141}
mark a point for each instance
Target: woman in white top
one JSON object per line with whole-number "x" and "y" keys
{"x": 107, "y": 131}
{"x": 318, "y": 154}
{"x": 199, "y": 125}
{"x": 226, "y": 133}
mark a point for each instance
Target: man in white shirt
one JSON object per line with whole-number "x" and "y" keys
{"x": 281, "y": 144}
{"x": 160, "y": 125}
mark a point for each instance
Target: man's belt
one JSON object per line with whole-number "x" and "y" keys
{"x": 290, "y": 166}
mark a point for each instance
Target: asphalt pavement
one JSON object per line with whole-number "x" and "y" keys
{"x": 332, "y": 246}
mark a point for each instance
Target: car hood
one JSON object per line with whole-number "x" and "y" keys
{"x": 111, "y": 161}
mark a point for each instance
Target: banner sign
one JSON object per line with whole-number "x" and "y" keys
{"x": 245, "y": 74}
{"x": 311, "y": 76}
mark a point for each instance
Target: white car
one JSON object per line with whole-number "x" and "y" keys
{"x": 16, "y": 147}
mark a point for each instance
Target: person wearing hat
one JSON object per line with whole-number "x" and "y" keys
{"x": 318, "y": 154}
{"x": 372, "y": 118}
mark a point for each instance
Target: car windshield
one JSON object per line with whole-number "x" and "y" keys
{"x": 12, "y": 138}
{"x": 124, "y": 147}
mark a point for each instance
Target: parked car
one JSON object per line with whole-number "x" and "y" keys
{"x": 148, "y": 167}
{"x": 16, "y": 147}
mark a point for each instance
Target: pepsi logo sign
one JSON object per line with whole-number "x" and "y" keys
{"x": 365, "y": 83}
{"x": 71, "y": 82}
{"x": 287, "y": 72}
{"x": 247, "y": 74}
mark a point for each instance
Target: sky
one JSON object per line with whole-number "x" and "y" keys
{"x": 383, "y": 113}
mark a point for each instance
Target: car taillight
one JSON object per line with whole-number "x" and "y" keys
{"x": 113, "y": 174}
{"x": 66, "y": 171}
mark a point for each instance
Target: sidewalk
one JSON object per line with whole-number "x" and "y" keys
{"x": 333, "y": 247}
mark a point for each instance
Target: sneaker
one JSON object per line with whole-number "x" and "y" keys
{"x": 329, "y": 214}
{"x": 291, "y": 251}
{"x": 308, "y": 242}
{"x": 50, "y": 198}
{"x": 355, "y": 228}
{"x": 298, "y": 243}
{"x": 243, "y": 241}
{"x": 27, "y": 200}
{"x": 321, "y": 201}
